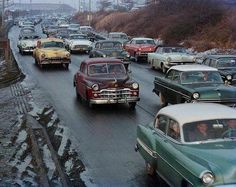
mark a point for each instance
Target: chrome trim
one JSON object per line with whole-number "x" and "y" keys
{"x": 147, "y": 149}
{"x": 113, "y": 101}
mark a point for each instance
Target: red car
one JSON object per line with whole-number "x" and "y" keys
{"x": 139, "y": 48}
{"x": 105, "y": 81}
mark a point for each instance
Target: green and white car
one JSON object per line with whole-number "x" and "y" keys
{"x": 186, "y": 162}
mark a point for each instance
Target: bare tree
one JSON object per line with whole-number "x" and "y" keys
{"x": 104, "y": 4}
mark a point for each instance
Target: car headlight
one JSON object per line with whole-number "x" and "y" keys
{"x": 67, "y": 55}
{"x": 104, "y": 55}
{"x": 168, "y": 59}
{"x": 207, "y": 178}
{"x": 95, "y": 87}
{"x": 196, "y": 95}
{"x": 43, "y": 55}
{"x": 135, "y": 85}
{"x": 229, "y": 77}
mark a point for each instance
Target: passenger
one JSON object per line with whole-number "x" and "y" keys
{"x": 231, "y": 131}
{"x": 175, "y": 131}
{"x": 92, "y": 70}
{"x": 201, "y": 133}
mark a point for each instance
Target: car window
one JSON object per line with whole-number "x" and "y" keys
{"x": 161, "y": 123}
{"x": 206, "y": 62}
{"x": 52, "y": 44}
{"x": 170, "y": 74}
{"x": 173, "y": 130}
{"x": 227, "y": 62}
{"x": 196, "y": 77}
{"x": 213, "y": 63}
{"x": 176, "y": 76}
{"x": 210, "y": 130}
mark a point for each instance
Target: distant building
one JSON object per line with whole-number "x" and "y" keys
{"x": 43, "y": 7}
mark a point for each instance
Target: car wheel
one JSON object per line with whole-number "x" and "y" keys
{"x": 77, "y": 94}
{"x": 150, "y": 169}
{"x": 163, "y": 100}
{"x": 163, "y": 68}
{"x": 132, "y": 105}
{"x": 136, "y": 58}
{"x": 90, "y": 55}
{"x": 151, "y": 65}
{"x": 66, "y": 66}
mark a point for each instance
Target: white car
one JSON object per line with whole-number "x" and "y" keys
{"x": 74, "y": 27}
{"x": 27, "y": 43}
{"x": 78, "y": 43}
{"x": 165, "y": 57}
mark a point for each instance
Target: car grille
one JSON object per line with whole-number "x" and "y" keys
{"x": 115, "y": 93}
{"x": 81, "y": 46}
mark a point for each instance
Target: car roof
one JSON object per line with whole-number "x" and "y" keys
{"x": 108, "y": 41}
{"x": 192, "y": 112}
{"x": 220, "y": 56}
{"x": 101, "y": 60}
{"x": 117, "y": 33}
{"x": 142, "y": 38}
{"x": 193, "y": 67}
{"x": 50, "y": 39}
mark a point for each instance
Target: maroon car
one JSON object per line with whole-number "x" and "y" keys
{"x": 105, "y": 81}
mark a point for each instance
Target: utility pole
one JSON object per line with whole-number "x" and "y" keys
{"x": 3, "y": 7}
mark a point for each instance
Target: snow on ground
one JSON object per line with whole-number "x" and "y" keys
{"x": 69, "y": 166}
{"x": 64, "y": 133}
{"x": 21, "y": 136}
{"x": 47, "y": 158}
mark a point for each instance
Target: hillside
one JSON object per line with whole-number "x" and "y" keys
{"x": 202, "y": 24}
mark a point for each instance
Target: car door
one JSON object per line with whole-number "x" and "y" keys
{"x": 81, "y": 83}
{"x": 169, "y": 87}
{"x": 167, "y": 165}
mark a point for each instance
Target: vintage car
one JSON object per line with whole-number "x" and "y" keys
{"x": 105, "y": 81}
{"x": 78, "y": 43}
{"x": 27, "y": 42}
{"x": 193, "y": 83}
{"x": 26, "y": 30}
{"x": 166, "y": 56}
{"x": 109, "y": 48}
{"x": 75, "y": 27}
{"x": 191, "y": 144}
{"x": 226, "y": 65}
{"x": 51, "y": 51}
{"x": 51, "y": 30}
{"x": 85, "y": 29}
{"x": 118, "y": 36}
{"x": 140, "y": 47}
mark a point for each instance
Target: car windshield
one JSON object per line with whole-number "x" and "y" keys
{"x": 106, "y": 68}
{"x": 210, "y": 130}
{"x": 145, "y": 42}
{"x": 52, "y": 44}
{"x": 111, "y": 45}
{"x": 174, "y": 50}
{"x": 73, "y": 37}
{"x": 227, "y": 63}
{"x": 196, "y": 77}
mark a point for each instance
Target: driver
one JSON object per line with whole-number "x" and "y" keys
{"x": 231, "y": 131}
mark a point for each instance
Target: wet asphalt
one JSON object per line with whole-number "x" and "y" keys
{"x": 105, "y": 135}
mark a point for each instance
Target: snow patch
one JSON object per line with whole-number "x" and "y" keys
{"x": 47, "y": 158}
{"x": 69, "y": 165}
{"x": 21, "y": 136}
{"x": 53, "y": 119}
{"x": 64, "y": 133}
{"x": 35, "y": 111}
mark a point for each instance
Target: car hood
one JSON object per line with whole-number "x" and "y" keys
{"x": 217, "y": 157}
{"x": 180, "y": 57}
{"x": 54, "y": 52}
{"x": 28, "y": 42}
{"x": 80, "y": 42}
{"x": 215, "y": 92}
{"x": 110, "y": 80}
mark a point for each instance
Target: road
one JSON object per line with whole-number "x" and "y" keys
{"x": 105, "y": 135}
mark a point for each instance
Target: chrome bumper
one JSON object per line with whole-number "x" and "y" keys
{"x": 113, "y": 101}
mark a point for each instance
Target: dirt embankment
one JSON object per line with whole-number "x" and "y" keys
{"x": 202, "y": 24}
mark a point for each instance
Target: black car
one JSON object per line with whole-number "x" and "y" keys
{"x": 107, "y": 48}
{"x": 226, "y": 65}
